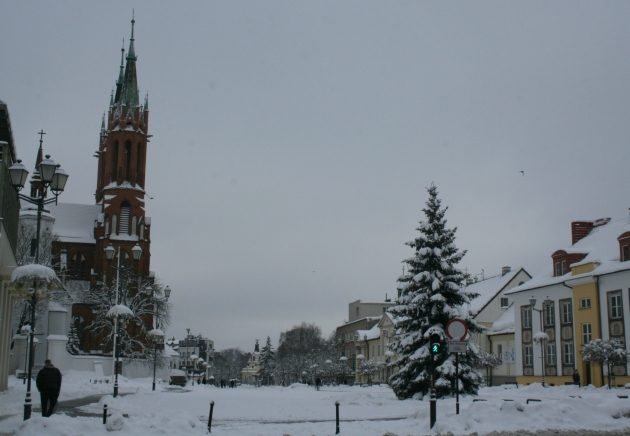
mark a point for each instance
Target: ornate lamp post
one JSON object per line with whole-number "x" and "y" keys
{"x": 118, "y": 310}
{"x": 157, "y": 334}
{"x": 54, "y": 177}
{"x": 542, "y": 337}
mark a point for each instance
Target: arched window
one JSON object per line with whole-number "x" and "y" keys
{"x": 125, "y": 213}
{"x": 128, "y": 160}
{"x": 115, "y": 161}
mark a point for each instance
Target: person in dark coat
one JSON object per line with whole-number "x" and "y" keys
{"x": 48, "y": 384}
{"x": 576, "y": 377}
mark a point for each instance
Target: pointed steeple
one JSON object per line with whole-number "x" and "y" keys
{"x": 146, "y": 102}
{"x": 129, "y": 92}
{"x": 132, "y": 52}
{"x": 103, "y": 123}
{"x": 119, "y": 82}
{"x": 37, "y": 188}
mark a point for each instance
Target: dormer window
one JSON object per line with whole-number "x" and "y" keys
{"x": 561, "y": 268}
{"x": 624, "y": 247}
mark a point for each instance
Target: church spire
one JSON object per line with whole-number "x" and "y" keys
{"x": 119, "y": 82}
{"x": 129, "y": 91}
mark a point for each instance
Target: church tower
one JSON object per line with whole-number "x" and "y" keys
{"x": 120, "y": 184}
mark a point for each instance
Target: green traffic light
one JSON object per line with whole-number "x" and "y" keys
{"x": 435, "y": 348}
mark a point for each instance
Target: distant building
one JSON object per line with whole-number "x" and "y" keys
{"x": 584, "y": 297}
{"x": 361, "y": 316}
{"x": 493, "y": 310}
{"x": 251, "y": 373}
{"x": 194, "y": 351}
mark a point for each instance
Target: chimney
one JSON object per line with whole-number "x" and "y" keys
{"x": 579, "y": 230}
{"x": 506, "y": 269}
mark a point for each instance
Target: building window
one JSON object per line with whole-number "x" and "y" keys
{"x": 124, "y": 218}
{"x": 566, "y": 311}
{"x": 549, "y": 309}
{"x": 500, "y": 351}
{"x": 550, "y": 358}
{"x": 615, "y": 305}
{"x": 528, "y": 356}
{"x": 585, "y": 303}
{"x": 560, "y": 267}
{"x": 625, "y": 253}
{"x": 567, "y": 353}
{"x": 504, "y": 302}
{"x": 587, "y": 333}
{"x": 526, "y": 317}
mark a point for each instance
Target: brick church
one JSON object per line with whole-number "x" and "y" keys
{"x": 117, "y": 219}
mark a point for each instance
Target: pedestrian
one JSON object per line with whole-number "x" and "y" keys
{"x": 48, "y": 384}
{"x": 318, "y": 382}
{"x": 576, "y": 377}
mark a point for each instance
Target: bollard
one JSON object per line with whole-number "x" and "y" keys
{"x": 210, "y": 417}
{"x": 337, "y": 420}
{"x": 104, "y": 413}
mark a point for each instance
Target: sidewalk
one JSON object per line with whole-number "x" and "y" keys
{"x": 68, "y": 407}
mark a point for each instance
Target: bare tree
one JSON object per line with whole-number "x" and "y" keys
{"x": 144, "y": 297}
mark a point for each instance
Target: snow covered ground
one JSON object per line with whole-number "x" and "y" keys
{"x": 301, "y": 410}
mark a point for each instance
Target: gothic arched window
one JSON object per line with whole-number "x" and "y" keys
{"x": 125, "y": 212}
{"x": 115, "y": 161}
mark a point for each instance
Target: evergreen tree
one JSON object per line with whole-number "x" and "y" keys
{"x": 267, "y": 361}
{"x": 430, "y": 294}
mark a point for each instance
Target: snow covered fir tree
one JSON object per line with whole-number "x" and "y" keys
{"x": 430, "y": 294}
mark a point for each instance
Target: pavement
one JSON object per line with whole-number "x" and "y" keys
{"x": 69, "y": 407}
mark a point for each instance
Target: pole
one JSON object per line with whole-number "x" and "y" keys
{"x": 27, "y": 400}
{"x": 115, "y": 351}
{"x": 104, "y": 413}
{"x": 432, "y": 402}
{"x": 456, "y": 383}
{"x": 542, "y": 347}
{"x": 337, "y": 418}
{"x": 210, "y": 417}
{"x": 157, "y": 309}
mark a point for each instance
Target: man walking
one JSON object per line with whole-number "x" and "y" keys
{"x": 48, "y": 385}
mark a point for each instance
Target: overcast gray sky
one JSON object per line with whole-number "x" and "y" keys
{"x": 293, "y": 141}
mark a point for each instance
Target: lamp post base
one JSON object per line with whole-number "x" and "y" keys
{"x": 27, "y": 406}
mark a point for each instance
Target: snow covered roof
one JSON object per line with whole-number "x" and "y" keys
{"x": 504, "y": 323}
{"x": 373, "y": 333}
{"x": 601, "y": 248}
{"x": 488, "y": 289}
{"x": 75, "y": 222}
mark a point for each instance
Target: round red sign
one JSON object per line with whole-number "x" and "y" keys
{"x": 456, "y": 329}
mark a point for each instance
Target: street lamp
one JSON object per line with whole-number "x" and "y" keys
{"x": 367, "y": 358}
{"x": 54, "y": 177}
{"x": 118, "y": 310}
{"x": 193, "y": 358}
{"x": 157, "y": 334}
{"x": 542, "y": 336}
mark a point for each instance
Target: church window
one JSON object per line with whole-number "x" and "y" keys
{"x": 124, "y": 218}
{"x": 114, "y": 223}
{"x": 128, "y": 161}
{"x": 115, "y": 161}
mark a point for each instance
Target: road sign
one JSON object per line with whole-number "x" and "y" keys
{"x": 456, "y": 329}
{"x": 457, "y": 346}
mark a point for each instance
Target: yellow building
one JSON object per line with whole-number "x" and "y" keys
{"x": 586, "y": 297}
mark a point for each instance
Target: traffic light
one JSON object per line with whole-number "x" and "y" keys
{"x": 436, "y": 344}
